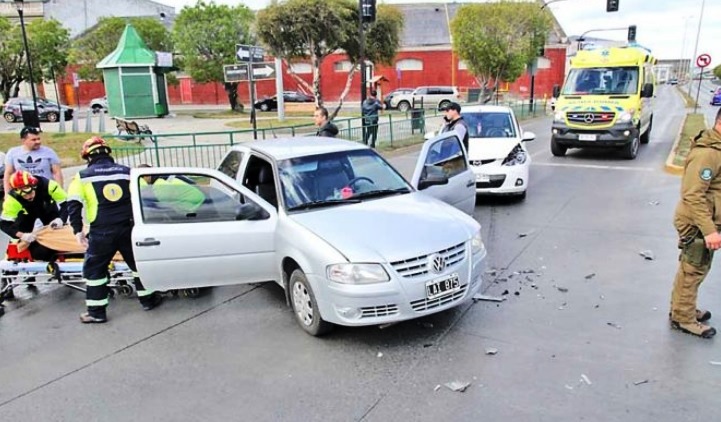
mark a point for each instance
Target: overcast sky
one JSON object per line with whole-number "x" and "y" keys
{"x": 661, "y": 23}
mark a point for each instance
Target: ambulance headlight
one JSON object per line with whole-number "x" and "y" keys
{"x": 558, "y": 116}
{"x": 625, "y": 117}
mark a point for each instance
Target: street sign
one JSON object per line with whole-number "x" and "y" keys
{"x": 235, "y": 72}
{"x": 265, "y": 70}
{"x": 703, "y": 60}
{"x": 249, "y": 53}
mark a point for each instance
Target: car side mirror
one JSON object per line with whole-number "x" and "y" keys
{"x": 432, "y": 176}
{"x": 647, "y": 91}
{"x": 429, "y": 135}
{"x": 250, "y": 211}
{"x": 528, "y": 136}
{"x": 556, "y": 91}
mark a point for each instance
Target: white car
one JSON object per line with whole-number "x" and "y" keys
{"x": 348, "y": 238}
{"x": 498, "y": 155}
{"x": 98, "y": 105}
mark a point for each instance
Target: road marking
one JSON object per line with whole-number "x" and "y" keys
{"x": 595, "y": 166}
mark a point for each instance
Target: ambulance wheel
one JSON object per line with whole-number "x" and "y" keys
{"x": 191, "y": 293}
{"x": 630, "y": 150}
{"x": 557, "y": 149}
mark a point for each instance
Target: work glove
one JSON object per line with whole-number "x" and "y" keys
{"x": 28, "y": 237}
{"x": 81, "y": 239}
{"x": 56, "y": 224}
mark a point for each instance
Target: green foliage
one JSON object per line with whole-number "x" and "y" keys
{"x": 717, "y": 71}
{"x": 11, "y": 57}
{"x": 498, "y": 40}
{"x": 101, "y": 40}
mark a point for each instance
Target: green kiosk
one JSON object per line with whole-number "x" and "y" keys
{"x": 134, "y": 84}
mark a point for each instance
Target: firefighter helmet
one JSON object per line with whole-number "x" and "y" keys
{"x": 94, "y": 145}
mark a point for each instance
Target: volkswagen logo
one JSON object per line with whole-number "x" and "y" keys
{"x": 437, "y": 263}
{"x": 588, "y": 118}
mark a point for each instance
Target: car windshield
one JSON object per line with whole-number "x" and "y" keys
{"x": 602, "y": 81}
{"x": 489, "y": 124}
{"x": 335, "y": 178}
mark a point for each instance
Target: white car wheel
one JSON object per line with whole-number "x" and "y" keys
{"x": 305, "y": 306}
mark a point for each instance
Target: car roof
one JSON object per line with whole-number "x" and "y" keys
{"x": 485, "y": 109}
{"x": 285, "y": 148}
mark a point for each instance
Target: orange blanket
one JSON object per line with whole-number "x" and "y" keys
{"x": 61, "y": 240}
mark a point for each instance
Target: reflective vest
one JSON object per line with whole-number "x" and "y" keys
{"x": 49, "y": 203}
{"x": 104, "y": 188}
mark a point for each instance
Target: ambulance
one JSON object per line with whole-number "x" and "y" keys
{"x": 606, "y": 101}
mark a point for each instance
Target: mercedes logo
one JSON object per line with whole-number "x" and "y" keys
{"x": 588, "y": 118}
{"x": 437, "y": 263}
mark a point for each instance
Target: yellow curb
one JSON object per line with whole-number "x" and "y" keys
{"x": 669, "y": 166}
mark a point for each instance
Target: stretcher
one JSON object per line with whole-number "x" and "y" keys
{"x": 19, "y": 269}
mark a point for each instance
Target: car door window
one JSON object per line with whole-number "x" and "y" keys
{"x": 188, "y": 198}
{"x": 231, "y": 164}
{"x": 447, "y": 156}
{"x": 260, "y": 178}
{"x": 421, "y": 91}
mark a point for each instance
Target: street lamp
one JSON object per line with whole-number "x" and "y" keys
{"x": 35, "y": 120}
{"x": 695, "y": 50}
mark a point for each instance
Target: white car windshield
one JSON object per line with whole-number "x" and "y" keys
{"x": 489, "y": 125}
{"x": 336, "y": 178}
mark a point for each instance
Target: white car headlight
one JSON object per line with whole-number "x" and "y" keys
{"x": 517, "y": 156}
{"x": 558, "y": 116}
{"x": 357, "y": 273}
{"x": 625, "y": 117}
{"x": 477, "y": 245}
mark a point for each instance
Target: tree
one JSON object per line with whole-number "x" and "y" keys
{"x": 47, "y": 42}
{"x": 299, "y": 30}
{"x": 205, "y": 35}
{"x": 498, "y": 40}
{"x": 96, "y": 43}
{"x": 717, "y": 71}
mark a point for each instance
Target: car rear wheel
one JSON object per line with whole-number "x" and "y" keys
{"x": 557, "y": 149}
{"x": 52, "y": 116}
{"x": 97, "y": 109}
{"x": 404, "y": 106}
{"x": 10, "y": 118}
{"x": 305, "y": 307}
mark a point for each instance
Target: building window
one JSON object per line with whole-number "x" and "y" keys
{"x": 342, "y": 66}
{"x": 462, "y": 65}
{"x": 409, "y": 64}
{"x": 301, "y": 68}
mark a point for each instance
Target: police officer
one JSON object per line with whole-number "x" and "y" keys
{"x": 31, "y": 198}
{"x": 454, "y": 121}
{"x": 104, "y": 189}
{"x": 697, "y": 219}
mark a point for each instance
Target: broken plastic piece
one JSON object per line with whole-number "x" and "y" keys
{"x": 590, "y": 276}
{"x": 491, "y": 350}
{"x": 715, "y": 363}
{"x": 614, "y": 325}
{"x": 647, "y": 255}
{"x": 640, "y": 382}
{"x": 562, "y": 289}
{"x": 489, "y": 298}
{"x": 585, "y": 379}
{"x": 458, "y": 386}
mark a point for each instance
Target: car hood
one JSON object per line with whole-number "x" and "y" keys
{"x": 389, "y": 229}
{"x": 490, "y": 148}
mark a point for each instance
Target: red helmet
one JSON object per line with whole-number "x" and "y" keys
{"x": 23, "y": 181}
{"x": 94, "y": 145}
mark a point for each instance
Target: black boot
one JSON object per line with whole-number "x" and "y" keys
{"x": 152, "y": 301}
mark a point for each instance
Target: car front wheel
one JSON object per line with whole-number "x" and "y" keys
{"x": 264, "y": 107}
{"x": 305, "y": 306}
{"x": 10, "y": 118}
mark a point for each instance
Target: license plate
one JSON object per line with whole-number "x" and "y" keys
{"x": 440, "y": 287}
{"x": 587, "y": 137}
{"x": 483, "y": 178}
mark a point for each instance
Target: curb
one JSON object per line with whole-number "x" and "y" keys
{"x": 669, "y": 166}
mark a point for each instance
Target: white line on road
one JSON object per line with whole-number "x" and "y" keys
{"x": 595, "y": 166}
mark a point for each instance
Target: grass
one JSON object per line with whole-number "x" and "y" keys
{"x": 690, "y": 102}
{"x": 401, "y": 143}
{"x": 693, "y": 125}
{"x": 67, "y": 145}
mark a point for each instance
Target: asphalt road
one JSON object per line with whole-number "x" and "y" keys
{"x": 583, "y": 335}
{"x": 704, "y": 98}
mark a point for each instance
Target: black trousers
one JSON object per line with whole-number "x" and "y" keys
{"x": 370, "y": 131}
{"x": 103, "y": 243}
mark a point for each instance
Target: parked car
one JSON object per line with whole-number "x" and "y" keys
{"x": 497, "y": 151}
{"x": 672, "y": 81}
{"x": 271, "y": 103}
{"x": 99, "y": 104}
{"x": 427, "y": 96}
{"x": 48, "y": 111}
{"x": 338, "y": 228}
{"x": 388, "y": 98}
{"x": 716, "y": 97}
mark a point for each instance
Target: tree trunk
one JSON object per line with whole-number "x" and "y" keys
{"x": 16, "y": 89}
{"x": 231, "y": 88}
{"x": 346, "y": 89}
{"x": 315, "y": 64}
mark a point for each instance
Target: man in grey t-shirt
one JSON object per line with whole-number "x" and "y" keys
{"x": 32, "y": 157}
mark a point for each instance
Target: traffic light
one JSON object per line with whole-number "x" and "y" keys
{"x": 368, "y": 10}
{"x": 612, "y": 5}
{"x": 632, "y": 33}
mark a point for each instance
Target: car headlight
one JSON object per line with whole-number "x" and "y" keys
{"x": 558, "y": 116}
{"x": 515, "y": 157}
{"x": 357, "y": 273}
{"x": 477, "y": 245}
{"x": 625, "y": 117}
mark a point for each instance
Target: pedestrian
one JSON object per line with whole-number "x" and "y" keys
{"x": 30, "y": 198}
{"x": 325, "y": 127}
{"x": 32, "y": 157}
{"x": 104, "y": 188}
{"x": 697, "y": 220}
{"x": 454, "y": 121}
{"x": 369, "y": 109}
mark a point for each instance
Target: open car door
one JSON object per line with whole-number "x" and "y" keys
{"x": 444, "y": 157}
{"x": 198, "y": 228}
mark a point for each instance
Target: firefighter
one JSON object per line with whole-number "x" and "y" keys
{"x": 31, "y": 198}
{"x": 104, "y": 188}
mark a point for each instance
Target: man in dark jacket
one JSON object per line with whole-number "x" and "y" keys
{"x": 370, "y": 108}
{"x": 455, "y": 122}
{"x": 325, "y": 127}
